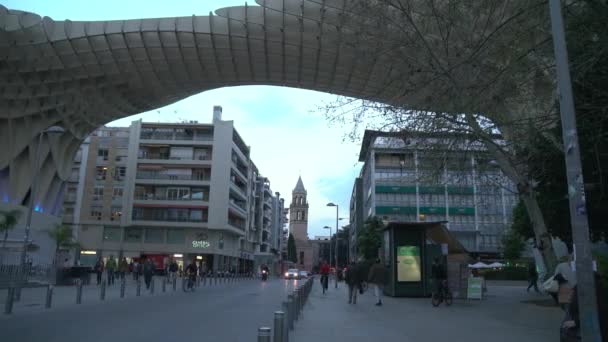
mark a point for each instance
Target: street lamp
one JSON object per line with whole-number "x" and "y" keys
{"x": 328, "y": 227}
{"x": 330, "y": 204}
{"x": 32, "y": 204}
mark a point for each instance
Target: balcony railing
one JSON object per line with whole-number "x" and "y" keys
{"x": 166, "y": 218}
{"x": 164, "y": 176}
{"x": 167, "y": 156}
{"x": 171, "y": 136}
{"x": 153, "y": 197}
{"x": 236, "y": 223}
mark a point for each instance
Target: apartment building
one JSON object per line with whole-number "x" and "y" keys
{"x": 409, "y": 178}
{"x": 183, "y": 191}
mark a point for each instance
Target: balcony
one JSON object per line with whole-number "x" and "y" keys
{"x": 237, "y": 222}
{"x": 170, "y": 214}
{"x": 155, "y": 175}
{"x": 149, "y": 133}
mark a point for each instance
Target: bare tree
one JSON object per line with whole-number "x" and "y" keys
{"x": 476, "y": 68}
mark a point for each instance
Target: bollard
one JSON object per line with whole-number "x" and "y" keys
{"x": 263, "y": 334}
{"x": 285, "y": 332}
{"x": 290, "y": 311}
{"x": 49, "y": 297}
{"x": 152, "y": 285}
{"x": 8, "y": 306}
{"x": 123, "y": 284}
{"x": 296, "y": 304}
{"x": 102, "y": 294}
{"x": 164, "y": 286}
{"x": 138, "y": 288}
{"x": 279, "y": 321}
{"x": 216, "y": 279}
{"x": 204, "y": 279}
{"x": 184, "y": 284}
{"x": 174, "y": 283}
{"x": 78, "y": 291}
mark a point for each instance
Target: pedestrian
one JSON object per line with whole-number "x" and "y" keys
{"x": 136, "y": 270}
{"x": 173, "y": 268}
{"x": 532, "y": 277}
{"x": 148, "y": 272}
{"x": 123, "y": 267}
{"x": 570, "y": 329}
{"x": 377, "y": 277}
{"x": 438, "y": 275}
{"x": 98, "y": 268}
{"x": 110, "y": 269}
{"x": 566, "y": 278}
{"x": 353, "y": 281}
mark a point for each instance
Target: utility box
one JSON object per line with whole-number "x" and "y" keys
{"x": 408, "y": 251}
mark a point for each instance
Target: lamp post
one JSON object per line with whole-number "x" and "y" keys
{"x": 587, "y": 301}
{"x": 32, "y": 204}
{"x": 328, "y": 227}
{"x": 336, "y": 249}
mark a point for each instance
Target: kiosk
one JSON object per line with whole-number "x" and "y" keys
{"x": 408, "y": 251}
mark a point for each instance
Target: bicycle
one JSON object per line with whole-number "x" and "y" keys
{"x": 189, "y": 286}
{"x": 442, "y": 295}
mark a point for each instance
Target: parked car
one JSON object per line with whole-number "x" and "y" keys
{"x": 292, "y": 273}
{"x": 303, "y": 274}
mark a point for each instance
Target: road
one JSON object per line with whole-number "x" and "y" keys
{"x": 217, "y": 313}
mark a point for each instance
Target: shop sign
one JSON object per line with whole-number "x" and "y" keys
{"x": 201, "y": 244}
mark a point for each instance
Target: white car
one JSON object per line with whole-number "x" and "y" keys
{"x": 303, "y": 274}
{"x": 292, "y": 273}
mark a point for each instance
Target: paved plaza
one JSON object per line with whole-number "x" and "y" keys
{"x": 507, "y": 314}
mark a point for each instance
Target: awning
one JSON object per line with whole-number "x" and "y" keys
{"x": 479, "y": 265}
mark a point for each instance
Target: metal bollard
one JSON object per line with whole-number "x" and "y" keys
{"x": 263, "y": 334}
{"x": 164, "y": 286}
{"x": 174, "y": 284}
{"x": 152, "y": 285}
{"x": 290, "y": 311}
{"x": 8, "y": 306}
{"x": 285, "y": 331}
{"x": 216, "y": 279}
{"x": 78, "y": 291}
{"x": 204, "y": 279}
{"x": 49, "y": 297}
{"x": 184, "y": 284}
{"x": 279, "y": 321}
{"x": 123, "y": 284}
{"x": 102, "y": 293}
{"x": 138, "y": 288}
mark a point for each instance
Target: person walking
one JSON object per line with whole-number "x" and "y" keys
{"x": 110, "y": 269}
{"x": 173, "y": 270}
{"x": 353, "y": 281}
{"x": 136, "y": 270}
{"x": 566, "y": 277}
{"x": 98, "y": 268}
{"x": 377, "y": 277}
{"x": 532, "y": 277}
{"x": 123, "y": 268}
{"x": 148, "y": 272}
{"x": 438, "y": 275}
{"x": 324, "y": 270}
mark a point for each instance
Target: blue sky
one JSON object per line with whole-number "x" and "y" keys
{"x": 287, "y": 135}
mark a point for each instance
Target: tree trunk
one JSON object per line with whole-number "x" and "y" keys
{"x": 544, "y": 243}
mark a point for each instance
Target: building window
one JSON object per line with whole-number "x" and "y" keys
{"x": 117, "y": 193}
{"x": 299, "y": 218}
{"x": 97, "y": 193}
{"x": 120, "y": 172}
{"x": 176, "y": 236}
{"x": 155, "y": 235}
{"x": 133, "y": 235}
{"x": 301, "y": 258}
{"x": 101, "y": 172}
{"x": 174, "y": 194}
{"x": 116, "y": 213}
{"x": 103, "y": 152}
{"x": 111, "y": 234}
{"x": 96, "y": 213}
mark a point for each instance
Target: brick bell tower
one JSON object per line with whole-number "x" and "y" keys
{"x": 298, "y": 225}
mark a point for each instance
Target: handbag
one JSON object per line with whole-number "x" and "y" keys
{"x": 551, "y": 285}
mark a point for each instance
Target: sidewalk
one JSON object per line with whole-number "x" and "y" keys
{"x": 500, "y": 317}
{"x": 33, "y": 299}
